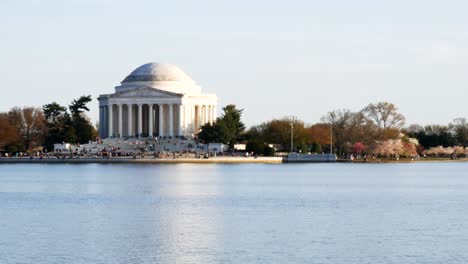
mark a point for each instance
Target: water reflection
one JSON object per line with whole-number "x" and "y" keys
{"x": 193, "y": 215}
{"x": 323, "y": 213}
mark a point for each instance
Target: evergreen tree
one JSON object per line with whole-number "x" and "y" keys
{"x": 55, "y": 124}
{"x": 62, "y": 126}
{"x": 316, "y": 148}
{"x": 84, "y": 130}
{"x": 227, "y": 129}
{"x": 255, "y": 146}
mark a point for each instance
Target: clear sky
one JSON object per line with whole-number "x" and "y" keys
{"x": 272, "y": 58}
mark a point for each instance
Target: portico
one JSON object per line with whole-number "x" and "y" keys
{"x": 155, "y": 100}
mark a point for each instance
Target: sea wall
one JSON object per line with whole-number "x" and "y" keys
{"x": 296, "y": 157}
{"x": 146, "y": 160}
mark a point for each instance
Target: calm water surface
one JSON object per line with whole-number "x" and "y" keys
{"x": 307, "y": 213}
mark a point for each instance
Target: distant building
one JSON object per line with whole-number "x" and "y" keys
{"x": 155, "y": 100}
{"x": 241, "y": 147}
{"x": 62, "y": 147}
{"x": 217, "y": 147}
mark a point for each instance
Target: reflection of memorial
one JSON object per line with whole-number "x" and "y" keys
{"x": 155, "y": 100}
{"x": 195, "y": 223}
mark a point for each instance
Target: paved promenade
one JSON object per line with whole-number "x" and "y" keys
{"x": 146, "y": 160}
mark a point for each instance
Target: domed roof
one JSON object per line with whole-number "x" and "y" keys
{"x": 158, "y": 72}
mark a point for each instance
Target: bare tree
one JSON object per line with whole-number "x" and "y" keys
{"x": 29, "y": 125}
{"x": 385, "y": 115}
{"x": 460, "y": 128}
{"x": 340, "y": 122}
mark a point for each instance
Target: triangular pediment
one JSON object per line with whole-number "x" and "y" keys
{"x": 145, "y": 92}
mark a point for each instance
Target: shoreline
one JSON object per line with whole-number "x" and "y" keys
{"x": 212, "y": 160}
{"x": 402, "y": 161}
{"x": 233, "y": 160}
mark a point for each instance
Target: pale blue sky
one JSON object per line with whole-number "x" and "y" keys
{"x": 273, "y": 58}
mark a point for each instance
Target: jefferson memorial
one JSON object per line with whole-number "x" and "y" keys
{"x": 155, "y": 100}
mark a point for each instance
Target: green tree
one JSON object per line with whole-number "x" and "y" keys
{"x": 278, "y": 131}
{"x": 78, "y": 106}
{"x": 84, "y": 130}
{"x": 56, "y": 125}
{"x": 216, "y": 133}
{"x": 304, "y": 149}
{"x": 231, "y": 119}
{"x": 268, "y": 151}
{"x": 255, "y": 146}
{"x": 227, "y": 129}
{"x": 316, "y": 148}
{"x": 64, "y": 126}
{"x": 432, "y": 135}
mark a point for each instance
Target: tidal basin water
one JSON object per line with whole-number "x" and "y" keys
{"x": 249, "y": 213}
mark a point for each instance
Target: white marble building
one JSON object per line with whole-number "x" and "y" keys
{"x": 155, "y": 100}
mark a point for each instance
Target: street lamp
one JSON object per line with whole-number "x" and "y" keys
{"x": 292, "y": 119}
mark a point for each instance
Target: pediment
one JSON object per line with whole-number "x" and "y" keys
{"x": 145, "y": 92}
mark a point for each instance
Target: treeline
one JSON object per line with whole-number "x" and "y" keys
{"x": 379, "y": 128}
{"x": 30, "y": 128}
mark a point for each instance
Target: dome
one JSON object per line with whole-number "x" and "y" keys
{"x": 158, "y": 72}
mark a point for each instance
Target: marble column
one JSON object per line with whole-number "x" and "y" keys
{"x": 105, "y": 123}
{"x": 150, "y": 123}
{"x": 140, "y": 119}
{"x": 181, "y": 120}
{"x": 130, "y": 121}
{"x": 203, "y": 117}
{"x": 200, "y": 117}
{"x": 120, "y": 121}
{"x": 161, "y": 120}
{"x": 210, "y": 116}
{"x": 100, "y": 121}
{"x": 111, "y": 125}
{"x": 188, "y": 120}
{"x": 171, "y": 120}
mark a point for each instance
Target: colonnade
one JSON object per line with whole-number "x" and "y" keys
{"x": 150, "y": 119}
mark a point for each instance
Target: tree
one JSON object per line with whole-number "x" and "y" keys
{"x": 432, "y": 135}
{"x": 385, "y": 115}
{"x": 227, "y": 129}
{"x": 8, "y": 137}
{"x": 387, "y": 148}
{"x": 304, "y": 148}
{"x": 84, "y": 130}
{"x": 215, "y": 133}
{"x": 78, "y": 106}
{"x": 268, "y": 151}
{"x": 316, "y": 148}
{"x": 231, "y": 119}
{"x": 460, "y": 129}
{"x": 29, "y": 125}
{"x": 319, "y": 133}
{"x": 358, "y": 148}
{"x": 53, "y": 111}
{"x": 278, "y": 131}
{"x": 340, "y": 121}
{"x": 255, "y": 146}
{"x": 57, "y": 122}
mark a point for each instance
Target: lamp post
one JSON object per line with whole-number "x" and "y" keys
{"x": 293, "y": 119}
